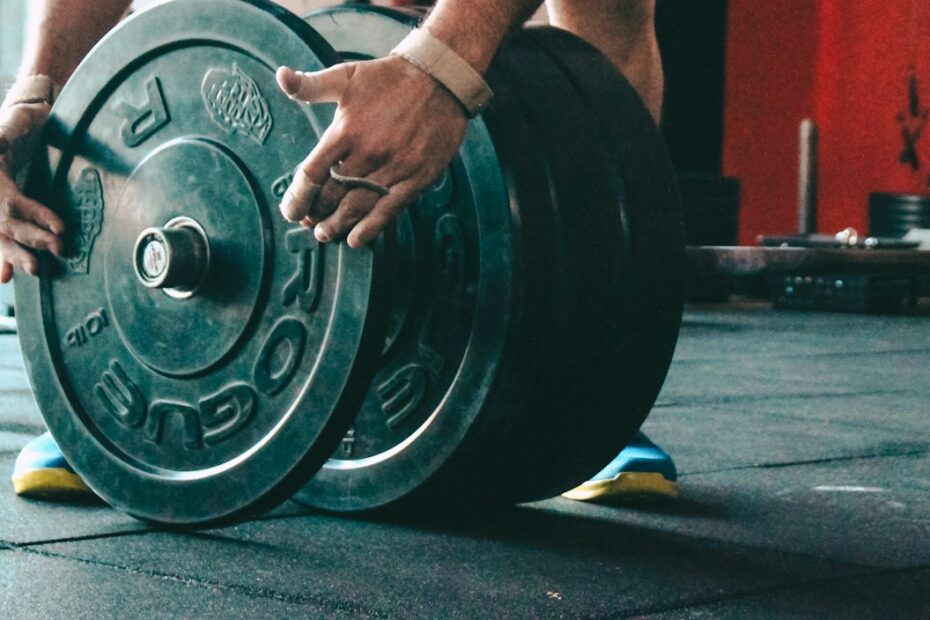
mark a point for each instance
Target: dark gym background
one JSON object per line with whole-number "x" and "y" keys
{"x": 692, "y": 37}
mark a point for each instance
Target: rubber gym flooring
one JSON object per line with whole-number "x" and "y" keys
{"x": 803, "y": 446}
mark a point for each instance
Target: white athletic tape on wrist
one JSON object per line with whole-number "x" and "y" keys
{"x": 31, "y": 89}
{"x": 434, "y": 57}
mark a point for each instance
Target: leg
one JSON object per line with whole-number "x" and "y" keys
{"x": 624, "y": 30}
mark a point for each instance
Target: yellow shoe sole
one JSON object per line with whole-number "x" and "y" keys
{"x": 631, "y": 483}
{"x": 52, "y": 483}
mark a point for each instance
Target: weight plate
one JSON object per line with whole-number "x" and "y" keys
{"x": 463, "y": 350}
{"x": 899, "y": 201}
{"x": 564, "y": 435}
{"x": 196, "y": 356}
{"x": 902, "y": 216}
{"x": 553, "y": 395}
{"x": 652, "y": 216}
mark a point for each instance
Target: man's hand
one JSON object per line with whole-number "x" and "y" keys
{"x": 395, "y": 126}
{"x": 24, "y": 223}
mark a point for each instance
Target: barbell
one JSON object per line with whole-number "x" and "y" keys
{"x": 199, "y": 359}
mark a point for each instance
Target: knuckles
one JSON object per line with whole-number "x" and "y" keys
{"x": 350, "y": 69}
{"x": 357, "y": 208}
{"x": 306, "y": 170}
{"x": 340, "y": 131}
{"x": 374, "y": 155}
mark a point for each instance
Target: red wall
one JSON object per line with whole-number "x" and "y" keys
{"x": 843, "y": 63}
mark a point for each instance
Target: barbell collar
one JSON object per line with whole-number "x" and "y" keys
{"x": 175, "y": 257}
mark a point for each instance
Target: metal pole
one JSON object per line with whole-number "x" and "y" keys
{"x": 807, "y": 178}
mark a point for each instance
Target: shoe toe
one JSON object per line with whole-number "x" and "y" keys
{"x": 41, "y": 453}
{"x": 41, "y": 471}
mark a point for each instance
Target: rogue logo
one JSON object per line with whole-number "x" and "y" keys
{"x": 235, "y": 103}
{"x": 88, "y": 219}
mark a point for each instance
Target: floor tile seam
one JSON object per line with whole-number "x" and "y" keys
{"x": 140, "y": 532}
{"x": 766, "y": 318}
{"x": 733, "y": 398}
{"x": 803, "y": 355}
{"x": 831, "y": 421}
{"x": 736, "y": 408}
{"x": 801, "y": 463}
{"x": 319, "y": 602}
{"x": 83, "y": 538}
{"x": 785, "y": 587}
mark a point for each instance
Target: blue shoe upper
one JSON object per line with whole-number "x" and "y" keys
{"x": 641, "y": 456}
{"x": 41, "y": 453}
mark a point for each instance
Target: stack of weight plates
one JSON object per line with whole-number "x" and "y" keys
{"x": 200, "y": 359}
{"x": 893, "y": 215}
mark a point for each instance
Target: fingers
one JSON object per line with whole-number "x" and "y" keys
{"x": 295, "y": 204}
{"x": 17, "y": 256}
{"x": 310, "y": 176}
{"x": 24, "y": 224}
{"x": 356, "y": 205}
{"x": 365, "y": 214}
{"x": 313, "y": 194}
{"x": 383, "y": 213}
{"x": 331, "y": 196}
{"x": 327, "y": 85}
{"x": 22, "y": 221}
{"x": 40, "y": 215}
{"x": 30, "y": 235}
{"x": 339, "y": 204}
{"x": 14, "y": 204}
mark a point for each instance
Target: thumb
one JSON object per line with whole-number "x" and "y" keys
{"x": 317, "y": 87}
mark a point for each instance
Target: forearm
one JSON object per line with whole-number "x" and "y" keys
{"x": 475, "y": 28}
{"x": 61, "y": 32}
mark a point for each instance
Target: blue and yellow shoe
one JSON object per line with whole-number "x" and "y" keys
{"x": 41, "y": 471}
{"x": 642, "y": 470}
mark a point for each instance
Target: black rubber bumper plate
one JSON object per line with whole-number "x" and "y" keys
{"x": 217, "y": 397}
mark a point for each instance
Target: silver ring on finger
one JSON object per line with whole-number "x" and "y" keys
{"x": 357, "y": 182}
